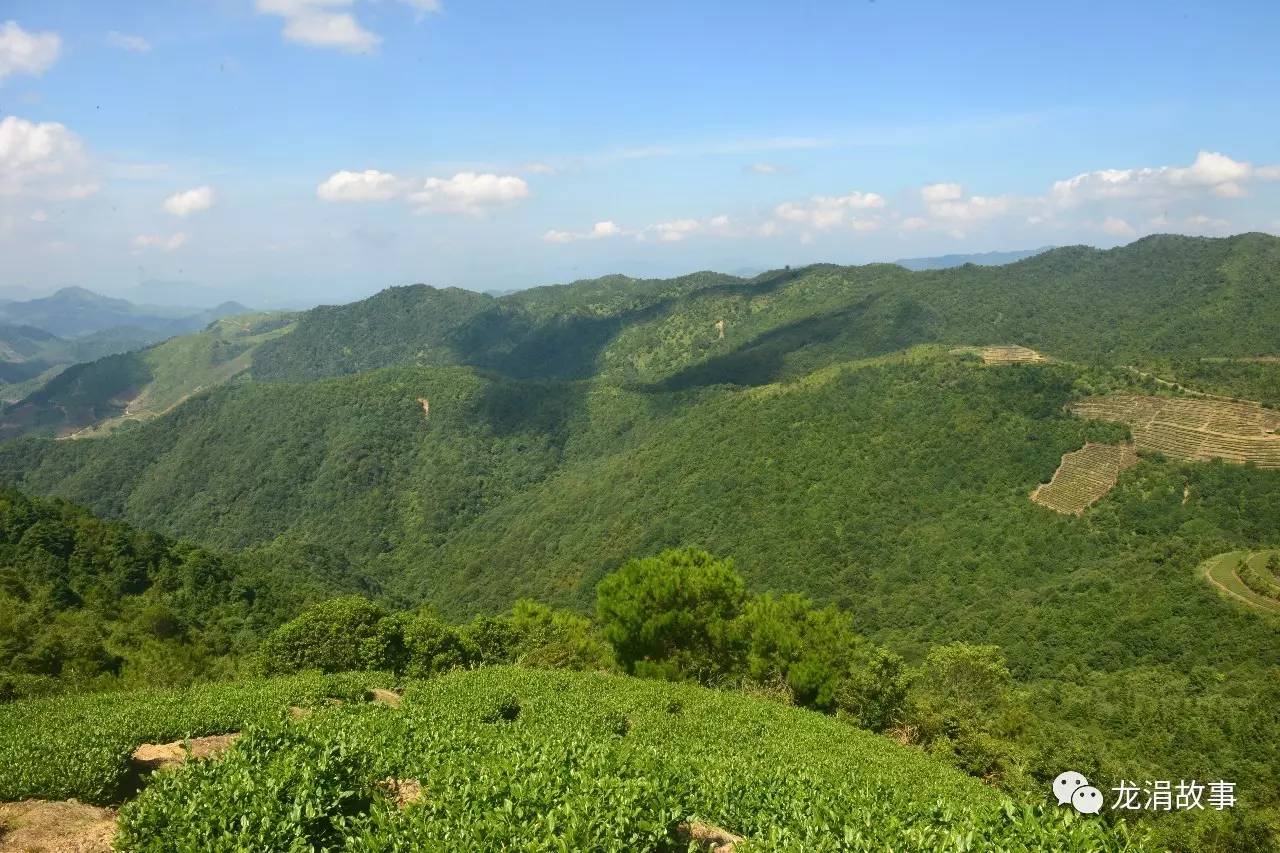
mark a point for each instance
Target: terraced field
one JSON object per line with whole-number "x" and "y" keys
{"x": 1223, "y": 571}
{"x": 1085, "y": 477}
{"x": 1011, "y": 355}
{"x": 1194, "y": 430}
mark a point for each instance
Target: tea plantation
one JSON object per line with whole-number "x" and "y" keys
{"x": 79, "y": 746}
{"x": 512, "y": 759}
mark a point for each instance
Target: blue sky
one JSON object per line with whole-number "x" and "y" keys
{"x": 280, "y": 151}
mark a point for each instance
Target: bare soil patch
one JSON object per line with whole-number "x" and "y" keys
{"x": 40, "y": 826}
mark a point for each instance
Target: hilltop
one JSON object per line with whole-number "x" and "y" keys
{"x": 1158, "y": 298}
{"x": 987, "y": 259}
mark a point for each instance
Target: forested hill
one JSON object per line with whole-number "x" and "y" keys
{"x": 830, "y": 429}
{"x": 1159, "y": 297}
{"x": 85, "y": 602}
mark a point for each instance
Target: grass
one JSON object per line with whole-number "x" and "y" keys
{"x": 519, "y": 759}
{"x": 1221, "y": 571}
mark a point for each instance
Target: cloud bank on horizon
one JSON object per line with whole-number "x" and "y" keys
{"x": 345, "y": 145}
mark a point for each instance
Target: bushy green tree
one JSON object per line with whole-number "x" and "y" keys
{"x": 433, "y": 646}
{"x": 557, "y": 639}
{"x": 962, "y": 705}
{"x": 787, "y": 639}
{"x": 874, "y": 693}
{"x": 342, "y": 634}
{"x": 671, "y": 615}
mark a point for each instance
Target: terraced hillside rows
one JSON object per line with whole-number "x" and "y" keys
{"x": 1010, "y": 355}
{"x": 1248, "y": 577}
{"x": 1085, "y": 477}
{"x": 1193, "y": 429}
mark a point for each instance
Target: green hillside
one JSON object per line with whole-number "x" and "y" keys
{"x": 524, "y": 759}
{"x": 87, "y": 603}
{"x": 125, "y": 389}
{"x": 1160, "y": 297}
{"x": 840, "y": 441}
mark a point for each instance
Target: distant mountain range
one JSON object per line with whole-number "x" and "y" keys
{"x": 73, "y": 312}
{"x": 984, "y": 259}
{"x": 39, "y": 337}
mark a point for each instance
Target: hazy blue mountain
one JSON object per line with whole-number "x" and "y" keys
{"x": 985, "y": 259}
{"x": 74, "y": 311}
{"x": 39, "y": 337}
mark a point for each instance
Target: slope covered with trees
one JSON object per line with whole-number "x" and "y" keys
{"x": 124, "y": 389}
{"x": 1161, "y": 297}
{"x": 827, "y": 428}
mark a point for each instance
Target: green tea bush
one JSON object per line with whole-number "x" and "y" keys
{"x": 79, "y": 746}
{"x": 588, "y": 762}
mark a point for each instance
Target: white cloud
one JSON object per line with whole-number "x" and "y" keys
{"x": 317, "y": 23}
{"x": 947, "y": 206}
{"x": 22, "y": 52}
{"x": 600, "y": 230}
{"x": 39, "y": 216}
{"x": 764, "y": 169}
{"x": 1211, "y": 171}
{"x": 674, "y": 231}
{"x": 134, "y": 44}
{"x": 1229, "y": 189}
{"x": 369, "y": 185}
{"x": 678, "y": 229}
{"x": 44, "y": 160}
{"x": 1208, "y": 224}
{"x": 938, "y": 193}
{"x": 190, "y": 201}
{"x": 540, "y": 169}
{"x": 823, "y": 212}
{"x": 1117, "y": 227}
{"x": 326, "y": 23}
{"x": 961, "y": 211}
{"x": 465, "y": 192}
{"x": 157, "y": 241}
{"x": 469, "y": 192}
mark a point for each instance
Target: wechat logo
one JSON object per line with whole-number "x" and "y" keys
{"x": 1071, "y": 787}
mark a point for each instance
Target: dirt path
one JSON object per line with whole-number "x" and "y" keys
{"x": 1169, "y": 383}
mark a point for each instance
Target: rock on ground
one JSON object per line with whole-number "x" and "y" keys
{"x": 161, "y": 756}
{"x": 707, "y": 837}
